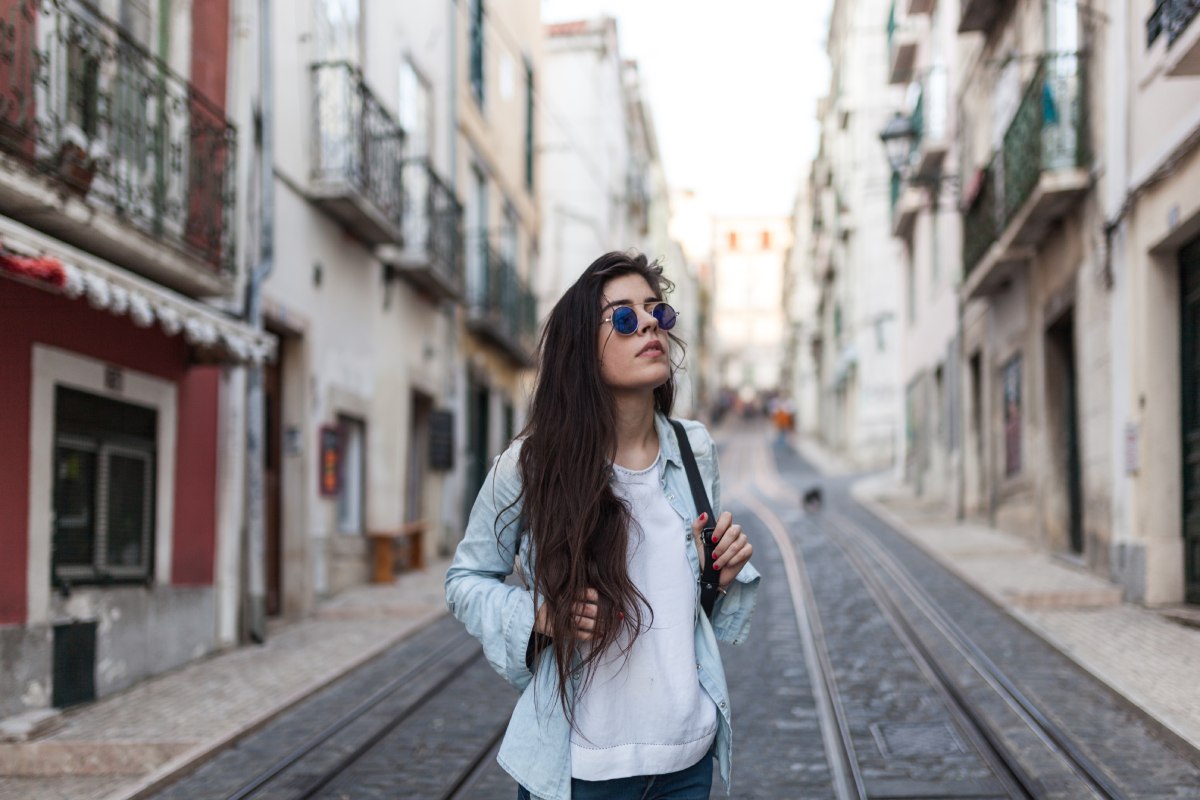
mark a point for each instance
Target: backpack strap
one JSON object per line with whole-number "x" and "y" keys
{"x": 709, "y": 578}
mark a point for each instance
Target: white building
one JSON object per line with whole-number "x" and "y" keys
{"x": 857, "y": 261}
{"x": 747, "y": 305}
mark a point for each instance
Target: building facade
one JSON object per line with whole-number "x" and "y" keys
{"x": 1035, "y": 294}
{"x": 854, "y": 255}
{"x": 1150, "y": 256}
{"x": 922, "y": 57}
{"x": 120, "y": 164}
{"x": 747, "y": 309}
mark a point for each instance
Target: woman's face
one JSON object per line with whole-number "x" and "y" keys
{"x": 639, "y": 360}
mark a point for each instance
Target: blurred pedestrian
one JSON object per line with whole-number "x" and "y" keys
{"x": 608, "y": 638}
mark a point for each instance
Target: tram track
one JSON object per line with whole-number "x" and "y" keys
{"x": 292, "y": 775}
{"x": 894, "y": 590}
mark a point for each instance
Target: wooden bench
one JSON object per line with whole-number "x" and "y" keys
{"x": 400, "y": 550}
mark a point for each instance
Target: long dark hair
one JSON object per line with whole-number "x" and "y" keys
{"x": 579, "y": 528}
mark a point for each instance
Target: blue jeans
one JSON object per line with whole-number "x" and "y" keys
{"x": 693, "y": 783}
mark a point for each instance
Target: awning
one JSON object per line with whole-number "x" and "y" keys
{"x": 42, "y": 261}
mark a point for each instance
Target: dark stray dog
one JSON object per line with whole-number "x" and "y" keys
{"x": 812, "y": 499}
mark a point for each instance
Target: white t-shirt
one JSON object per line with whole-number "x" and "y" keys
{"x": 647, "y": 714}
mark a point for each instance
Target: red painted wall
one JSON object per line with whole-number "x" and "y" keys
{"x": 29, "y": 316}
{"x": 210, "y": 49}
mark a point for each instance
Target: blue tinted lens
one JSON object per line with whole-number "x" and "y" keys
{"x": 624, "y": 320}
{"x": 665, "y": 316}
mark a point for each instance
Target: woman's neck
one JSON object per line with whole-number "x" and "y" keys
{"x": 637, "y": 438}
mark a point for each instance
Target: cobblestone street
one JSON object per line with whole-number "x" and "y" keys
{"x": 435, "y": 736}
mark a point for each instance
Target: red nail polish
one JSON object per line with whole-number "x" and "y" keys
{"x": 716, "y": 566}
{"x": 704, "y": 516}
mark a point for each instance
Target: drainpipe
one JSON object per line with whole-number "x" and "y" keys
{"x": 254, "y": 605}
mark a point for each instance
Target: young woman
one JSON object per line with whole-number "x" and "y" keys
{"x": 623, "y": 694}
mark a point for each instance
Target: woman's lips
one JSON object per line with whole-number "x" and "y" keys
{"x": 651, "y": 350}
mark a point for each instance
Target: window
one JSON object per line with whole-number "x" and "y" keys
{"x": 1011, "y": 374}
{"x": 104, "y": 478}
{"x": 350, "y": 517}
{"x": 414, "y": 106}
{"x": 529, "y": 121}
{"x": 766, "y": 240}
{"x": 338, "y": 30}
{"x": 733, "y": 240}
{"x": 476, "y": 44}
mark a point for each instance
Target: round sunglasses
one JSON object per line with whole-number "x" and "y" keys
{"x": 624, "y": 319}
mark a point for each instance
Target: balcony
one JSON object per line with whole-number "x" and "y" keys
{"x": 431, "y": 258}
{"x": 930, "y": 121}
{"x": 358, "y": 144}
{"x": 902, "y": 48}
{"x": 978, "y": 15}
{"x": 1172, "y": 20}
{"x": 104, "y": 147}
{"x": 501, "y": 308}
{"x": 1036, "y": 178}
{"x": 907, "y": 202}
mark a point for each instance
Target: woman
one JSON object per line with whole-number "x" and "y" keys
{"x": 622, "y": 689}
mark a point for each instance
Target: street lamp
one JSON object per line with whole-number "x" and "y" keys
{"x": 898, "y": 137}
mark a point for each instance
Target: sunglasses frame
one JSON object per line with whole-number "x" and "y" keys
{"x": 658, "y": 304}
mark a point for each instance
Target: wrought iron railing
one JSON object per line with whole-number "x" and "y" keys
{"x": 87, "y": 105}
{"x": 1048, "y": 133}
{"x": 980, "y": 226}
{"x": 1171, "y": 17}
{"x": 499, "y": 297}
{"x": 359, "y": 143}
{"x": 1049, "y": 129}
{"x": 432, "y": 219}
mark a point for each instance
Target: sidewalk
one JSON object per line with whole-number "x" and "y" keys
{"x": 1142, "y": 654}
{"x": 122, "y": 746}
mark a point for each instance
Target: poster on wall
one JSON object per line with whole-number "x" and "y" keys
{"x": 330, "y": 448}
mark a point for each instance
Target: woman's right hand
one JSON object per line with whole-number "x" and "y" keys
{"x": 586, "y": 616}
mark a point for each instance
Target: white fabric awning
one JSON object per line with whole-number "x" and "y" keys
{"x": 40, "y": 260}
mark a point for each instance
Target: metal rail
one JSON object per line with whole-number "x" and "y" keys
{"x": 436, "y": 661}
{"x": 854, "y": 536}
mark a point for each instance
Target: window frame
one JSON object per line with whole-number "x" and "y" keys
{"x": 104, "y": 446}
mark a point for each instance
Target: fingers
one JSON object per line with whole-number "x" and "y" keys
{"x": 587, "y": 615}
{"x": 732, "y": 549}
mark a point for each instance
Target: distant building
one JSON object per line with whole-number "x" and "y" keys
{"x": 747, "y": 304}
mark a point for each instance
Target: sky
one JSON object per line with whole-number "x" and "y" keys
{"x": 732, "y": 85}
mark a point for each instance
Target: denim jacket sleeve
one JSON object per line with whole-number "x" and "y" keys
{"x": 499, "y": 615}
{"x": 732, "y": 611}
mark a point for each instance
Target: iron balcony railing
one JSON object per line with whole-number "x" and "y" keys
{"x": 432, "y": 226}
{"x": 1171, "y": 17}
{"x": 84, "y": 103}
{"x": 359, "y": 144}
{"x": 1048, "y": 133}
{"x": 979, "y": 221}
{"x": 501, "y": 305}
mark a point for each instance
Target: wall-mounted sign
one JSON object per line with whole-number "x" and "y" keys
{"x": 441, "y": 439}
{"x": 330, "y": 447}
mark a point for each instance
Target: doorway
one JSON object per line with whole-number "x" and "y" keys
{"x": 1062, "y": 402}
{"x": 272, "y": 481}
{"x": 1189, "y": 326}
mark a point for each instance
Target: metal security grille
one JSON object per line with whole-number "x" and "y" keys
{"x": 74, "y": 664}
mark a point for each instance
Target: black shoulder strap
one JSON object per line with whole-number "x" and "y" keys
{"x": 709, "y": 578}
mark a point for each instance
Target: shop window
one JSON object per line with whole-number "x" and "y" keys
{"x": 351, "y": 493}
{"x": 104, "y": 479}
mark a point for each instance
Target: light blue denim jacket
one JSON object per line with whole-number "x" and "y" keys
{"x": 536, "y": 747}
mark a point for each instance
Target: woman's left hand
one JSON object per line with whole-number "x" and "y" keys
{"x": 733, "y": 549}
